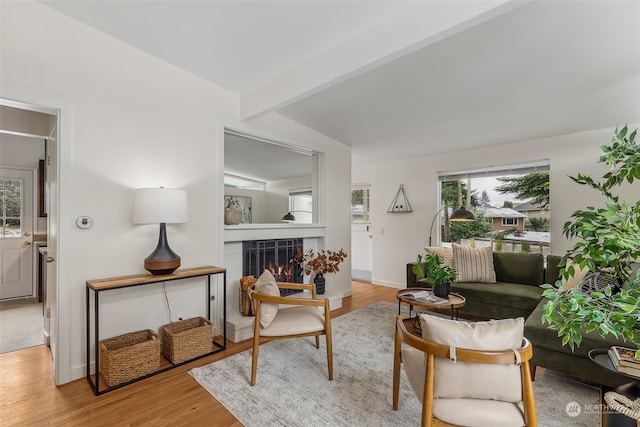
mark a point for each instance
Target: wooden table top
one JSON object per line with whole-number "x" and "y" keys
{"x": 144, "y": 278}
{"x": 454, "y": 300}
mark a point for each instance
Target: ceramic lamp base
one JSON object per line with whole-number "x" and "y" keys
{"x": 162, "y": 260}
{"x": 161, "y": 266}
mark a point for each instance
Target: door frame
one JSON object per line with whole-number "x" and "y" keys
{"x": 59, "y": 324}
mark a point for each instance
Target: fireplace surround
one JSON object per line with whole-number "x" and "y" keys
{"x": 240, "y": 327}
{"x": 280, "y": 256}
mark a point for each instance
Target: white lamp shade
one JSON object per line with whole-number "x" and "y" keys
{"x": 158, "y": 205}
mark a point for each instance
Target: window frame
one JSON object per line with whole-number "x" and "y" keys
{"x": 505, "y": 223}
{"x": 366, "y": 204}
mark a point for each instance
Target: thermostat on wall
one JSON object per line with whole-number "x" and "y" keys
{"x": 84, "y": 222}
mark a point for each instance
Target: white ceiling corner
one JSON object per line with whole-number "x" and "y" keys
{"x": 393, "y": 78}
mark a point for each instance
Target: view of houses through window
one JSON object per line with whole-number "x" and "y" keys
{"x": 510, "y": 204}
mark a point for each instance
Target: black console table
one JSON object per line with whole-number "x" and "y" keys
{"x": 103, "y": 285}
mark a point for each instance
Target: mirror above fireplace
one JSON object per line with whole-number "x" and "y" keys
{"x": 269, "y": 177}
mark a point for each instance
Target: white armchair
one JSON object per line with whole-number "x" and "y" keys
{"x": 301, "y": 317}
{"x": 461, "y": 386}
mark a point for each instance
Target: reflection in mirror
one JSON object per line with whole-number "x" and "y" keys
{"x": 300, "y": 206}
{"x": 277, "y": 178}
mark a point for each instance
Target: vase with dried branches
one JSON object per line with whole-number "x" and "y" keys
{"x": 321, "y": 263}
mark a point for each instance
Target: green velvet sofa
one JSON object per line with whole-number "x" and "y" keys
{"x": 548, "y": 351}
{"x": 517, "y": 293}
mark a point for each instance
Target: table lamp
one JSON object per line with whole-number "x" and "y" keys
{"x": 160, "y": 206}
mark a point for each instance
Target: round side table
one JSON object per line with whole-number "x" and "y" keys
{"x": 630, "y": 390}
{"x": 454, "y": 301}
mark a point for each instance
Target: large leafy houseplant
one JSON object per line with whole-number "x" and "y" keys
{"x": 608, "y": 240}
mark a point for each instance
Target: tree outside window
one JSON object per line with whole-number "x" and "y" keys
{"x": 11, "y": 207}
{"x": 360, "y": 204}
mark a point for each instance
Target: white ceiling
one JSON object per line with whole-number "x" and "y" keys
{"x": 269, "y": 162}
{"x": 399, "y": 79}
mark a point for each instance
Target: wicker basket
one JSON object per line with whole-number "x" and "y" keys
{"x": 246, "y": 304}
{"x": 624, "y": 405}
{"x": 187, "y": 339}
{"x": 129, "y": 356}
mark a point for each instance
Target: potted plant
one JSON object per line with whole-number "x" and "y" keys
{"x": 440, "y": 276}
{"x": 325, "y": 261}
{"x": 608, "y": 240}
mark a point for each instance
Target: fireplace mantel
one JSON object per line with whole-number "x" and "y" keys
{"x": 242, "y": 232}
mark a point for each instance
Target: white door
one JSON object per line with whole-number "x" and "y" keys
{"x": 16, "y": 231}
{"x": 362, "y": 250}
{"x": 51, "y": 319}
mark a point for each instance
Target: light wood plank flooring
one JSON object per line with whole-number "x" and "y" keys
{"x": 28, "y": 396}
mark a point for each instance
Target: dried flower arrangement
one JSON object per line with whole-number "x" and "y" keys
{"x": 323, "y": 262}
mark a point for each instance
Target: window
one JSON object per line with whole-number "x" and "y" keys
{"x": 301, "y": 206}
{"x": 510, "y": 221}
{"x": 360, "y": 203}
{"x": 517, "y": 194}
{"x": 10, "y": 207}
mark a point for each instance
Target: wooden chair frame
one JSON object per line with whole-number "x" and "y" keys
{"x": 433, "y": 350}
{"x": 259, "y": 298}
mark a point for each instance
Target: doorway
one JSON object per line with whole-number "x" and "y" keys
{"x": 24, "y": 130}
{"x": 361, "y": 233}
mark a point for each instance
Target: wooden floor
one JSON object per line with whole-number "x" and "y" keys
{"x": 28, "y": 396}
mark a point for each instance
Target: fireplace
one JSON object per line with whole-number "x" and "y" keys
{"x": 280, "y": 256}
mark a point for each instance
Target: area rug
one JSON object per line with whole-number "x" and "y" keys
{"x": 292, "y": 388}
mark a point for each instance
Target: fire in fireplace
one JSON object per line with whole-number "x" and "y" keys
{"x": 280, "y": 256}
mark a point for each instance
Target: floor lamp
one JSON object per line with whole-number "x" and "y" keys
{"x": 459, "y": 215}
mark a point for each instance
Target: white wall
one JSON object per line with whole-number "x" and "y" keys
{"x": 397, "y": 239}
{"x": 129, "y": 120}
{"x": 21, "y": 151}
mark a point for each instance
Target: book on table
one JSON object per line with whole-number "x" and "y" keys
{"x": 624, "y": 361}
{"x": 625, "y": 356}
{"x": 424, "y": 296}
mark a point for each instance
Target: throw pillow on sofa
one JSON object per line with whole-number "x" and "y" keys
{"x": 445, "y": 254}
{"x": 574, "y": 280}
{"x": 598, "y": 280}
{"x": 473, "y": 265}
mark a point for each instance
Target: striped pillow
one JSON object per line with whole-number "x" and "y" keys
{"x": 445, "y": 254}
{"x": 474, "y": 265}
